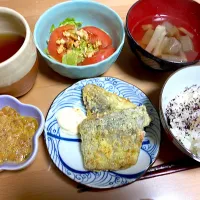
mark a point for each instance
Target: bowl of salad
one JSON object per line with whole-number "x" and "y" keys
{"x": 165, "y": 36}
{"x": 82, "y": 41}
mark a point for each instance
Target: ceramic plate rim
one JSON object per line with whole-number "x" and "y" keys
{"x": 103, "y": 77}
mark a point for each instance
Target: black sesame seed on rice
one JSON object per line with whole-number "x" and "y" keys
{"x": 183, "y": 117}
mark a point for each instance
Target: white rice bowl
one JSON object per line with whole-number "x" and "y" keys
{"x": 182, "y": 121}
{"x": 183, "y": 114}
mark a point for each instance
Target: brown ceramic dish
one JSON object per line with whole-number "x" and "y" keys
{"x": 17, "y": 73}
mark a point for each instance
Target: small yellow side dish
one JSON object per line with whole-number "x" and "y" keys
{"x": 16, "y": 133}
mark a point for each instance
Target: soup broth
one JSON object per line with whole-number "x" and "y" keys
{"x": 138, "y": 32}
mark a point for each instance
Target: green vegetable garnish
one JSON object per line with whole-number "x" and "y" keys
{"x": 52, "y": 28}
{"x": 46, "y": 51}
{"x": 82, "y": 46}
{"x": 70, "y": 21}
{"x": 90, "y": 48}
{"x": 72, "y": 58}
{"x": 67, "y": 21}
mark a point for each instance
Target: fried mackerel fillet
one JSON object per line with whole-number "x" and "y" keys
{"x": 113, "y": 141}
{"x": 99, "y": 101}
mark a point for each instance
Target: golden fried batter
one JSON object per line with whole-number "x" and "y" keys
{"x": 99, "y": 101}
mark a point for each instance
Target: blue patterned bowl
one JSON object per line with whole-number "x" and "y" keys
{"x": 89, "y": 13}
{"x": 25, "y": 110}
{"x": 65, "y": 151}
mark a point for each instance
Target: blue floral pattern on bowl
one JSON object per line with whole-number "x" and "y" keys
{"x": 65, "y": 149}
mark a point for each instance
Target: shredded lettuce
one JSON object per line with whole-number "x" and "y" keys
{"x": 46, "y": 51}
{"x": 67, "y": 21}
{"x": 72, "y": 58}
{"x": 70, "y": 21}
{"x": 52, "y": 28}
{"x": 82, "y": 46}
{"x": 76, "y": 55}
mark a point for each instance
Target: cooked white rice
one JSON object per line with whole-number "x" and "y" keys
{"x": 183, "y": 114}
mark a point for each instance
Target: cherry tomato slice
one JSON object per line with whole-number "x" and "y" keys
{"x": 55, "y": 35}
{"x": 97, "y": 34}
{"x": 102, "y": 54}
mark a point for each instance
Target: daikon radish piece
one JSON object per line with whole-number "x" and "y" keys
{"x": 186, "y": 43}
{"x": 172, "y": 58}
{"x": 146, "y": 27}
{"x": 164, "y": 43}
{"x": 147, "y": 36}
{"x": 183, "y": 56}
{"x": 171, "y": 29}
{"x": 183, "y": 30}
{"x": 155, "y": 38}
{"x": 157, "y": 51}
{"x": 173, "y": 46}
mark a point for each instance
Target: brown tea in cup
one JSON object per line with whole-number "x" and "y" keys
{"x": 18, "y": 54}
{"x": 9, "y": 44}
